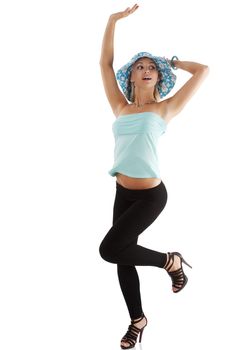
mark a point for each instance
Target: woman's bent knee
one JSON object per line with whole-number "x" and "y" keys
{"x": 106, "y": 253}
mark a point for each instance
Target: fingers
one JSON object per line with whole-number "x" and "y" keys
{"x": 131, "y": 10}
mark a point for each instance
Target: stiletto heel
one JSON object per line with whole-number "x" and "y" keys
{"x": 140, "y": 337}
{"x": 176, "y": 253}
{"x": 132, "y": 333}
{"x": 179, "y": 279}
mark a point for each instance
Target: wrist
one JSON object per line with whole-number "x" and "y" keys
{"x": 113, "y": 19}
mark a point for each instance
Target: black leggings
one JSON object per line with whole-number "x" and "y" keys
{"x": 133, "y": 212}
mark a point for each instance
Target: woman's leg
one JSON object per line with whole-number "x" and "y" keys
{"x": 118, "y": 246}
{"x": 134, "y": 210}
{"x": 127, "y": 275}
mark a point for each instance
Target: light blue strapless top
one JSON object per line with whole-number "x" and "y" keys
{"x": 136, "y": 136}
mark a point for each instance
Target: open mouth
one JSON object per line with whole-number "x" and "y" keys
{"x": 147, "y": 78}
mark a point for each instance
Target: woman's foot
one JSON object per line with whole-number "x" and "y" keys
{"x": 174, "y": 268}
{"x": 140, "y": 324}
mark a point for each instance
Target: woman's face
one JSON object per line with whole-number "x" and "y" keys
{"x": 144, "y": 73}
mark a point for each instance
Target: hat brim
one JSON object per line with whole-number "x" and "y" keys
{"x": 165, "y": 84}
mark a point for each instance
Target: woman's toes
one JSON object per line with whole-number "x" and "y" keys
{"x": 125, "y": 344}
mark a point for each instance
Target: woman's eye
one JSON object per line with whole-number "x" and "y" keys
{"x": 153, "y": 67}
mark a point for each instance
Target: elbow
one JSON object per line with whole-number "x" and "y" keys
{"x": 206, "y": 69}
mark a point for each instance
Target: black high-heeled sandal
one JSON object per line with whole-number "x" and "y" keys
{"x": 179, "y": 279}
{"x": 132, "y": 333}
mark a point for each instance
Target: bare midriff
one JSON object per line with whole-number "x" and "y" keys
{"x": 134, "y": 183}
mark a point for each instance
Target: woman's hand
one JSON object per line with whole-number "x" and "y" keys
{"x": 125, "y": 13}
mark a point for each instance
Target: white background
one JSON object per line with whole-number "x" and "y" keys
{"x": 56, "y": 196}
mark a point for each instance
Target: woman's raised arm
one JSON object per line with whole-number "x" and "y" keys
{"x": 107, "y": 51}
{"x": 177, "y": 102}
{"x": 115, "y": 97}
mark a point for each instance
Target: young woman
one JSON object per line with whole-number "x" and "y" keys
{"x": 141, "y": 118}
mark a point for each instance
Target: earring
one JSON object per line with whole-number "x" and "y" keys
{"x": 155, "y": 92}
{"x": 132, "y": 92}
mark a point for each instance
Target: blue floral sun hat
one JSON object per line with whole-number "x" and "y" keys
{"x": 165, "y": 84}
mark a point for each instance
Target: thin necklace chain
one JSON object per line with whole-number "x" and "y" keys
{"x": 143, "y": 103}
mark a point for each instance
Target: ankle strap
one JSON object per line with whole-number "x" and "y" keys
{"x": 138, "y": 320}
{"x": 170, "y": 257}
